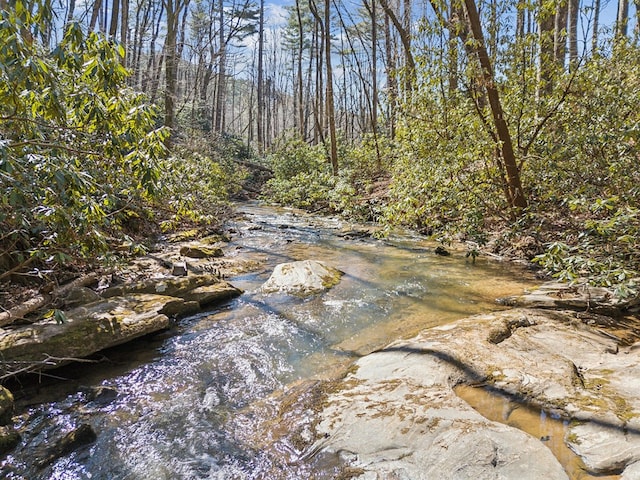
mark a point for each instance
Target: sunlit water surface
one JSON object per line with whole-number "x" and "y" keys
{"x": 203, "y": 400}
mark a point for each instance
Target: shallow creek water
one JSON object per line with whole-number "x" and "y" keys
{"x": 546, "y": 426}
{"x": 202, "y": 400}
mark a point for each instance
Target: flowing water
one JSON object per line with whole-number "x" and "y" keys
{"x": 207, "y": 399}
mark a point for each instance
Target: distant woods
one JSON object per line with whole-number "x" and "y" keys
{"x": 330, "y": 68}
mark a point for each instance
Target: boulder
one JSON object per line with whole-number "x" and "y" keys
{"x": 172, "y": 286}
{"x": 80, "y": 436}
{"x": 209, "y": 294}
{"x": 101, "y": 395}
{"x": 121, "y": 317}
{"x": 9, "y": 438}
{"x": 127, "y": 312}
{"x": 201, "y": 251}
{"x": 80, "y": 296}
{"x": 632, "y": 472}
{"x": 6, "y": 406}
{"x": 302, "y": 278}
{"x": 179, "y": 307}
{"x": 397, "y": 414}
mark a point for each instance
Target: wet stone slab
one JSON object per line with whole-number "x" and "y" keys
{"x": 397, "y": 415}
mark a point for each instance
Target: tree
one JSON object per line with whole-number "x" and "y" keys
{"x": 560, "y": 33}
{"x": 173, "y": 9}
{"x": 405, "y": 40}
{"x": 513, "y": 189}
{"x": 574, "y": 12}
{"x": 325, "y": 28}
{"x": 622, "y": 21}
{"x": 260, "y": 86}
{"x": 546, "y": 24}
{"x": 596, "y": 26}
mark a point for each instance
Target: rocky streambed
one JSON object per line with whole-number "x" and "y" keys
{"x": 144, "y": 297}
{"x": 301, "y": 377}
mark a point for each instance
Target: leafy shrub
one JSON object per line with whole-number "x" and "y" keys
{"x": 296, "y": 157}
{"x": 585, "y": 166}
{"x": 79, "y": 151}
{"x": 445, "y": 181}
{"x": 302, "y": 177}
{"x": 199, "y": 178}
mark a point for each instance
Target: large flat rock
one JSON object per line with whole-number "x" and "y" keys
{"x": 128, "y": 312}
{"x": 397, "y": 415}
{"x": 559, "y": 296}
{"x": 88, "y": 329}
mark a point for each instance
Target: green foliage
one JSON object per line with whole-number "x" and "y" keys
{"x": 198, "y": 179}
{"x": 297, "y": 157}
{"x": 607, "y": 252}
{"x": 586, "y": 165}
{"x": 302, "y": 177}
{"x": 79, "y": 151}
{"x": 445, "y": 181}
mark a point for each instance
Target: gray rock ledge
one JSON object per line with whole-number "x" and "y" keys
{"x": 397, "y": 415}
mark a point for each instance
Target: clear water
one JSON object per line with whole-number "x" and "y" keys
{"x": 231, "y": 393}
{"x": 549, "y": 428}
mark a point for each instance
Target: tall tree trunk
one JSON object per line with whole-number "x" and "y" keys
{"x": 409, "y": 62}
{"x": 71, "y": 11}
{"x": 260, "y": 86}
{"x": 222, "y": 63}
{"x": 452, "y": 59}
{"x": 392, "y": 85}
{"x": 331, "y": 116}
{"x": 546, "y": 20}
{"x": 493, "y": 30}
{"x": 95, "y": 12}
{"x": 623, "y": 19}
{"x": 522, "y": 5}
{"x": 325, "y": 28}
{"x": 560, "y": 33}
{"x": 596, "y": 26}
{"x": 374, "y": 72}
{"x": 115, "y": 14}
{"x": 141, "y": 24}
{"x": 151, "y": 78}
{"x": 405, "y": 39}
{"x": 458, "y": 26}
{"x": 319, "y": 117}
{"x": 637, "y": 29}
{"x": 173, "y": 9}
{"x": 300, "y": 120}
{"x": 124, "y": 28}
{"x": 514, "y": 192}
{"x": 574, "y": 12}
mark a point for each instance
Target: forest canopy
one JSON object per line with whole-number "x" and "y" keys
{"x": 512, "y": 126}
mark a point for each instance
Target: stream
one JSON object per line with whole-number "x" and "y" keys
{"x": 230, "y": 393}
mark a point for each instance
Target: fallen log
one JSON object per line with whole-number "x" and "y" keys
{"x": 39, "y": 301}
